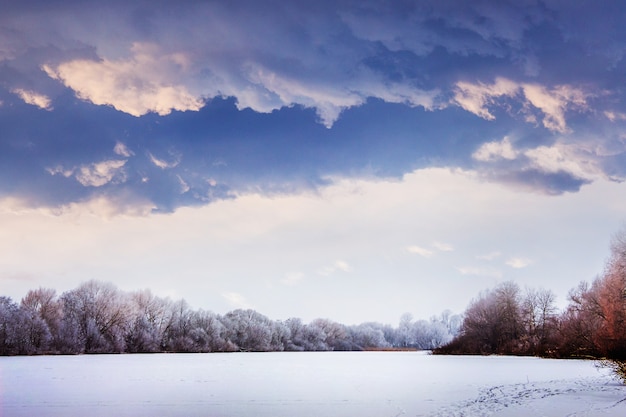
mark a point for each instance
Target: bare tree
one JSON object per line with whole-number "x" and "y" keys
{"x": 335, "y": 335}
{"x": 8, "y": 326}
{"x": 95, "y": 316}
{"x": 368, "y": 336}
{"x": 249, "y": 330}
{"x": 207, "y": 332}
{"x": 405, "y": 330}
{"x": 45, "y": 313}
{"x": 150, "y": 316}
{"x": 611, "y": 297}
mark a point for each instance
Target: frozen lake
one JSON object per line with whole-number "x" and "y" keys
{"x": 315, "y": 384}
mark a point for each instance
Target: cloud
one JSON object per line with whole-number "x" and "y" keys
{"x": 476, "y": 98}
{"x": 216, "y": 50}
{"x": 94, "y": 175}
{"x": 122, "y": 150}
{"x": 343, "y": 266}
{"x": 107, "y": 207}
{"x": 489, "y": 256}
{"x": 480, "y": 29}
{"x": 101, "y": 173}
{"x": 163, "y": 164}
{"x": 59, "y": 170}
{"x": 427, "y": 253}
{"x": 236, "y": 300}
{"x": 328, "y": 102}
{"x": 184, "y": 186}
{"x": 518, "y": 263}
{"x": 552, "y": 104}
{"x": 337, "y": 266}
{"x": 564, "y": 158}
{"x": 443, "y": 247}
{"x": 293, "y": 278}
{"x": 562, "y": 166}
{"x": 491, "y": 151}
{"x": 138, "y": 85}
{"x": 30, "y": 97}
{"x": 614, "y": 116}
{"x": 480, "y": 271}
{"x": 245, "y": 92}
{"x": 418, "y": 250}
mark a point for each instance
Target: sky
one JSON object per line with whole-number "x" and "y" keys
{"x": 352, "y": 160}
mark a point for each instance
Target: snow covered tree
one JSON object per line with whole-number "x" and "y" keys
{"x": 249, "y": 330}
{"x": 149, "y": 317}
{"x": 405, "y": 330}
{"x": 44, "y": 311}
{"x": 177, "y": 333}
{"x": 207, "y": 332}
{"x": 334, "y": 335}
{"x": 94, "y": 318}
{"x": 8, "y": 326}
{"x": 368, "y": 336}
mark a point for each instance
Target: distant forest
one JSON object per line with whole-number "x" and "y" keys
{"x": 506, "y": 320}
{"x": 97, "y": 317}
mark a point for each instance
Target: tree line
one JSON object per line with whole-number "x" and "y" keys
{"x": 505, "y": 320}
{"x": 97, "y": 317}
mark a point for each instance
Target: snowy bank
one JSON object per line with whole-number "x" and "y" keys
{"x": 329, "y": 384}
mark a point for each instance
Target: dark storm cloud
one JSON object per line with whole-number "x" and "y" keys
{"x": 181, "y": 104}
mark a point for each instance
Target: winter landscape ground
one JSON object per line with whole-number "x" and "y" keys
{"x": 332, "y": 384}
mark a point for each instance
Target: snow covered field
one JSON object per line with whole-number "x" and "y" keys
{"x": 329, "y": 384}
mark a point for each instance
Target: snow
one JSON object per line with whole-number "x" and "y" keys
{"x": 330, "y": 384}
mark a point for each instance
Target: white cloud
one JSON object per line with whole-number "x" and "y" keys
{"x": 93, "y": 175}
{"x": 328, "y": 101}
{"x": 101, "y": 173}
{"x": 427, "y": 253}
{"x": 338, "y": 265}
{"x": 236, "y": 300}
{"x": 577, "y": 159}
{"x": 565, "y": 158}
{"x": 552, "y": 103}
{"x": 400, "y": 93}
{"x": 162, "y": 78}
{"x": 59, "y": 170}
{"x": 343, "y": 266}
{"x": 518, "y": 263}
{"x": 108, "y": 208}
{"x": 491, "y": 151}
{"x": 443, "y": 247}
{"x": 489, "y": 256}
{"x": 292, "y": 278}
{"x": 418, "y": 250}
{"x": 325, "y": 271}
{"x": 476, "y": 98}
{"x": 615, "y": 116}
{"x": 480, "y": 271}
{"x": 163, "y": 164}
{"x": 149, "y": 81}
{"x": 184, "y": 187}
{"x": 30, "y": 97}
{"x": 122, "y": 150}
